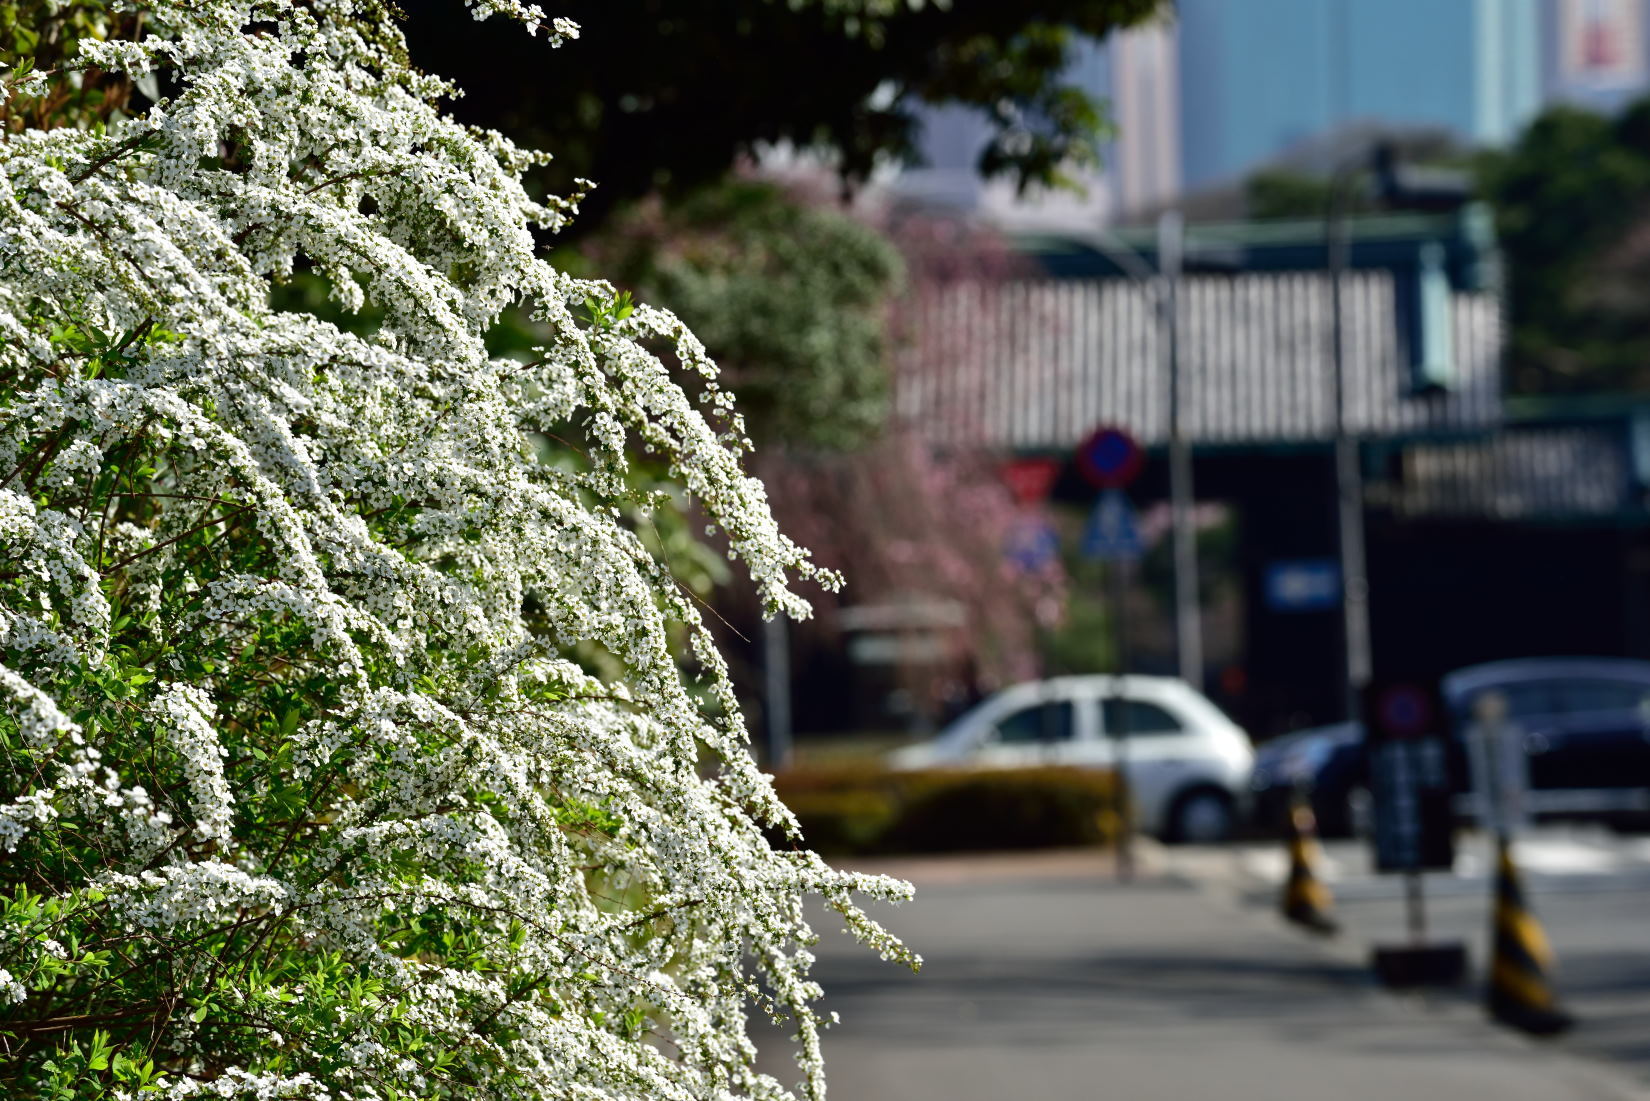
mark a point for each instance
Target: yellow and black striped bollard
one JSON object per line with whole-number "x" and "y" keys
{"x": 1520, "y": 990}
{"x": 1306, "y": 899}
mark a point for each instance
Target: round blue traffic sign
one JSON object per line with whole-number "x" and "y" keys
{"x": 1109, "y": 458}
{"x": 1405, "y": 711}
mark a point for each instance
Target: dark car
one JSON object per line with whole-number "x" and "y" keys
{"x": 1586, "y": 729}
{"x": 1305, "y": 758}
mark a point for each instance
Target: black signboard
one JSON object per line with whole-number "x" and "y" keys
{"x": 1406, "y": 739}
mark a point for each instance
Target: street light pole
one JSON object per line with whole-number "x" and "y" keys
{"x": 1187, "y": 618}
{"x": 776, "y": 691}
{"x": 1163, "y": 285}
{"x": 1348, "y": 469}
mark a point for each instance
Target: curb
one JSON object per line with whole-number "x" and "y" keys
{"x": 991, "y": 867}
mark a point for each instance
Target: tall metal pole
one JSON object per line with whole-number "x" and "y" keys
{"x": 1163, "y": 285}
{"x": 1119, "y": 731}
{"x": 1348, "y": 470}
{"x": 1188, "y": 620}
{"x": 776, "y": 691}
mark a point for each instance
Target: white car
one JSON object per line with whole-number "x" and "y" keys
{"x": 1187, "y": 764}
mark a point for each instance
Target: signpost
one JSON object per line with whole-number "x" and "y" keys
{"x": 1500, "y": 767}
{"x": 1406, "y": 738}
{"x": 1109, "y": 459}
{"x": 1406, "y": 729}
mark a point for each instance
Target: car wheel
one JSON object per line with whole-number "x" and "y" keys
{"x": 1202, "y": 816}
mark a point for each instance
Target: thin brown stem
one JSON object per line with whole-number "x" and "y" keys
{"x": 135, "y": 555}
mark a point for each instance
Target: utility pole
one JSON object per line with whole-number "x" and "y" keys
{"x": 776, "y": 690}
{"x": 1119, "y": 732}
{"x": 1188, "y": 620}
{"x": 1162, "y": 285}
{"x": 1349, "y": 504}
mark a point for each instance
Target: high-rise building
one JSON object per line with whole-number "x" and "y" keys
{"x": 1259, "y": 77}
{"x": 1143, "y": 162}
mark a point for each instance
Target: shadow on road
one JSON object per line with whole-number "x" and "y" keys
{"x": 1056, "y": 1000}
{"x": 1081, "y": 987}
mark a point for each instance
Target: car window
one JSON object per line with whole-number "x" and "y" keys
{"x": 1134, "y": 717}
{"x": 1044, "y": 722}
{"x": 1579, "y": 696}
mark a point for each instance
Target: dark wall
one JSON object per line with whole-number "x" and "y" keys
{"x": 1448, "y": 594}
{"x": 1443, "y": 594}
{"x": 1294, "y": 662}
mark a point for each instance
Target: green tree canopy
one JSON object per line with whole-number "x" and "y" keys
{"x": 1572, "y": 201}
{"x": 667, "y": 95}
{"x": 791, "y": 297}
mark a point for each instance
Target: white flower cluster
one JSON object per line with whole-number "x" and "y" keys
{"x": 184, "y": 712}
{"x": 312, "y": 594}
{"x": 237, "y": 1083}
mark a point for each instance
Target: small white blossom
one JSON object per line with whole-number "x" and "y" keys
{"x": 304, "y": 633}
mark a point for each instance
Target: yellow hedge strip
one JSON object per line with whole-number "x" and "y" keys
{"x": 862, "y": 810}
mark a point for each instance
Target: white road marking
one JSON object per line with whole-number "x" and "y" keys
{"x": 1565, "y": 856}
{"x": 1274, "y": 864}
{"x": 1545, "y": 854}
{"x": 1265, "y": 864}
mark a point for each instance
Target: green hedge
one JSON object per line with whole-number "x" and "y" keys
{"x": 868, "y": 811}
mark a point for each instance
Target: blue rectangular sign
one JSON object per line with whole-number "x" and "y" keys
{"x": 1303, "y": 585}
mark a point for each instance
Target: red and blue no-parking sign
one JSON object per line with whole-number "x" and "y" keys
{"x": 1406, "y": 739}
{"x": 1109, "y": 458}
{"x": 1404, "y": 710}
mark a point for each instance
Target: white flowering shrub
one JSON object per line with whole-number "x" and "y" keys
{"x": 302, "y": 792}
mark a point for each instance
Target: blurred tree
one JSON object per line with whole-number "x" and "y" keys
{"x": 48, "y": 33}
{"x": 913, "y": 526}
{"x": 666, "y": 96}
{"x": 1298, "y": 185}
{"x": 1572, "y": 202}
{"x": 791, "y": 298}
{"x": 801, "y": 304}
{"x": 1290, "y": 193}
{"x": 922, "y": 516}
{"x": 1572, "y": 206}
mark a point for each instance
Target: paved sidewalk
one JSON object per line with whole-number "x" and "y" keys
{"x": 1047, "y": 979}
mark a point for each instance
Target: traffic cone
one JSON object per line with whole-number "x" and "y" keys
{"x": 1519, "y": 992}
{"x": 1306, "y": 900}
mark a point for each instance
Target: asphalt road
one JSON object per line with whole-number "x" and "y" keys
{"x": 1589, "y": 888}
{"x": 1045, "y": 978}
